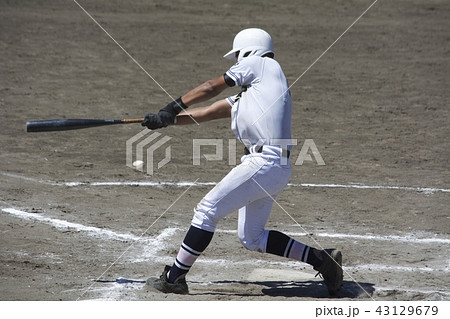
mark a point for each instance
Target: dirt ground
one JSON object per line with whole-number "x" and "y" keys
{"x": 375, "y": 105}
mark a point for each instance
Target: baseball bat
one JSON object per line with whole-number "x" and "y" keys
{"x": 73, "y": 124}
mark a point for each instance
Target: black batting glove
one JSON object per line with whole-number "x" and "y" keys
{"x": 153, "y": 121}
{"x": 175, "y": 107}
{"x": 166, "y": 116}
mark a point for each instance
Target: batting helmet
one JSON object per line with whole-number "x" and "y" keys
{"x": 249, "y": 42}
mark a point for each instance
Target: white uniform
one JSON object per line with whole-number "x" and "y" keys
{"x": 261, "y": 115}
{"x": 261, "y": 120}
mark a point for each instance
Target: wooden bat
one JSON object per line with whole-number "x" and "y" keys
{"x": 72, "y": 124}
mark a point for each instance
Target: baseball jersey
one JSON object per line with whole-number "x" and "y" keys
{"x": 261, "y": 112}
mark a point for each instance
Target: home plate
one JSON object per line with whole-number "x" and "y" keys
{"x": 264, "y": 274}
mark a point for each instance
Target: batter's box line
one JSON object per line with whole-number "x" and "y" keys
{"x": 91, "y": 231}
{"x": 168, "y": 232}
{"x": 106, "y": 233}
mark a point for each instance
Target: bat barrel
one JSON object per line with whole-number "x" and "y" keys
{"x": 66, "y": 124}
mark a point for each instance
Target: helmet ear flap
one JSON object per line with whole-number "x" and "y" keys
{"x": 241, "y": 54}
{"x": 254, "y": 51}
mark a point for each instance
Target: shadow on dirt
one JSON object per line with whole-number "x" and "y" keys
{"x": 311, "y": 289}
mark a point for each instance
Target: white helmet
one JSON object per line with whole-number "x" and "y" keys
{"x": 249, "y": 42}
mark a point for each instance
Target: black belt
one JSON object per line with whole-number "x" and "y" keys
{"x": 260, "y": 149}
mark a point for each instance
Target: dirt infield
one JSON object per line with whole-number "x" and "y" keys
{"x": 375, "y": 105}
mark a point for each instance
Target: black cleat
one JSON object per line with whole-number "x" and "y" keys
{"x": 331, "y": 270}
{"x": 161, "y": 284}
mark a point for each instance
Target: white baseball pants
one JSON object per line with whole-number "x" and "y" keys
{"x": 251, "y": 188}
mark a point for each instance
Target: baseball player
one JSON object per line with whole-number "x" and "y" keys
{"x": 261, "y": 120}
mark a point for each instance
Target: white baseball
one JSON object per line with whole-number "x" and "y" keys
{"x": 138, "y": 164}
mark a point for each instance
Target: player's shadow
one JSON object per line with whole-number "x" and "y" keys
{"x": 317, "y": 289}
{"x": 311, "y": 289}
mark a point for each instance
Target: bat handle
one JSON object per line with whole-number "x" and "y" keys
{"x": 129, "y": 121}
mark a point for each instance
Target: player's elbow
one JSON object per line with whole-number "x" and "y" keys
{"x": 208, "y": 86}
{"x": 210, "y": 89}
{"x": 213, "y": 87}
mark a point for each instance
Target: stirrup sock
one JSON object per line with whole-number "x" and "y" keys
{"x": 194, "y": 243}
{"x": 282, "y": 245}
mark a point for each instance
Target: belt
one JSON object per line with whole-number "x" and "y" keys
{"x": 258, "y": 150}
{"x": 285, "y": 153}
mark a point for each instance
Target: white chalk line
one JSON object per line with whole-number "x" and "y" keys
{"x": 101, "y": 233}
{"x": 408, "y": 239}
{"x": 384, "y": 268}
{"x": 414, "y": 291}
{"x": 64, "y": 225}
{"x": 423, "y": 190}
{"x": 154, "y": 244}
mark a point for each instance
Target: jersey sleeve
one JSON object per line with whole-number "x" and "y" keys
{"x": 241, "y": 73}
{"x": 232, "y": 99}
{"x": 229, "y": 81}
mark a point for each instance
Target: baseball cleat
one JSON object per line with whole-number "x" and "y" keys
{"x": 161, "y": 284}
{"x": 331, "y": 270}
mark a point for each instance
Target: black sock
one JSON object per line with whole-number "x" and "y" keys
{"x": 282, "y": 245}
{"x": 194, "y": 243}
{"x": 277, "y": 243}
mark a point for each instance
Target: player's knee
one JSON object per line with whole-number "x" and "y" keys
{"x": 253, "y": 243}
{"x": 204, "y": 220}
{"x": 250, "y": 245}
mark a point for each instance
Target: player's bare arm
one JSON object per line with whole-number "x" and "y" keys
{"x": 167, "y": 115}
{"x": 218, "y": 110}
{"x": 205, "y": 91}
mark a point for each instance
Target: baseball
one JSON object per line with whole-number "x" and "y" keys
{"x": 138, "y": 164}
